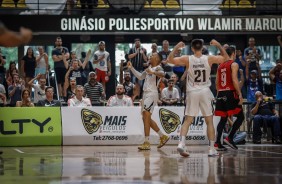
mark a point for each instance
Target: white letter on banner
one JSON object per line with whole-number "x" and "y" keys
{"x": 164, "y": 24}
{"x": 182, "y": 23}
{"x": 102, "y": 24}
{"x": 75, "y": 24}
{"x": 278, "y": 24}
{"x": 250, "y": 24}
{"x": 210, "y": 24}
{"x": 143, "y": 24}
{"x": 225, "y": 24}
{"x": 150, "y": 23}
{"x": 83, "y": 24}
{"x": 190, "y": 24}
{"x": 119, "y": 24}
{"x": 171, "y": 22}
{"x": 158, "y": 24}
{"x": 265, "y": 24}
{"x": 273, "y": 24}
{"x": 64, "y": 24}
{"x": 238, "y": 24}
{"x": 136, "y": 24}
{"x": 90, "y": 24}
{"x": 217, "y": 25}
{"x": 258, "y": 24}
{"x": 202, "y": 23}
{"x": 112, "y": 23}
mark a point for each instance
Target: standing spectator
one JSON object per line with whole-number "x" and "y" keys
{"x": 78, "y": 100}
{"x": 170, "y": 94}
{"x": 154, "y": 48}
{"x": 28, "y": 63}
{"x": 42, "y": 62}
{"x": 49, "y": 101}
{"x": 138, "y": 57}
{"x": 165, "y": 52}
{"x": 252, "y": 55}
{"x": 15, "y": 90}
{"x": 103, "y": 69}
{"x": 3, "y": 99}
{"x": 25, "y": 102}
{"x": 276, "y": 76}
{"x": 242, "y": 65}
{"x": 178, "y": 70}
{"x": 60, "y": 64}
{"x": 94, "y": 90}
{"x": 39, "y": 89}
{"x": 120, "y": 99}
{"x": 265, "y": 112}
{"x": 254, "y": 84}
{"x": 2, "y": 67}
{"x": 129, "y": 86}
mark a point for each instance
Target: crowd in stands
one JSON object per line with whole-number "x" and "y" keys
{"x": 78, "y": 85}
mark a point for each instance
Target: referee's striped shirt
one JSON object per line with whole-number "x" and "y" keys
{"x": 94, "y": 92}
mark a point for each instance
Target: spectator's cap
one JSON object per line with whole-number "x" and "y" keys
{"x": 254, "y": 72}
{"x": 101, "y": 43}
{"x": 91, "y": 73}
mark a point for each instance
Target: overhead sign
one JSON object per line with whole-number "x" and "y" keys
{"x": 138, "y": 25}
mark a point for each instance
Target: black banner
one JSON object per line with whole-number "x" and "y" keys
{"x": 160, "y": 24}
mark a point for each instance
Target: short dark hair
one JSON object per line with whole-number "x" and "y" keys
{"x": 170, "y": 80}
{"x": 230, "y": 50}
{"x": 49, "y": 87}
{"x": 137, "y": 39}
{"x": 197, "y": 44}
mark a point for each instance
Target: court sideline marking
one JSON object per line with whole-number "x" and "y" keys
{"x": 17, "y": 150}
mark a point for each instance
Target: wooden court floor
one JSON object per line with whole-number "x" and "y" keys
{"x": 125, "y": 164}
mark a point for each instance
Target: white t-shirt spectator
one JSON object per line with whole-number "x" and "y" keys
{"x": 39, "y": 94}
{"x": 3, "y": 91}
{"x": 167, "y": 94}
{"x": 74, "y": 102}
{"x": 124, "y": 101}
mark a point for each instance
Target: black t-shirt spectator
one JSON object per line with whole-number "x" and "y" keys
{"x": 58, "y": 51}
{"x": 265, "y": 108}
{"x": 29, "y": 66}
{"x": 46, "y": 103}
{"x": 166, "y": 67}
{"x": 78, "y": 75}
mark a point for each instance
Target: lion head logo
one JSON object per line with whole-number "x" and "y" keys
{"x": 91, "y": 120}
{"x": 169, "y": 120}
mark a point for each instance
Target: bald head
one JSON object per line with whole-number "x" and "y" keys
{"x": 258, "y": 95}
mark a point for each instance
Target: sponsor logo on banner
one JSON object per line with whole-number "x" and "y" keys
{"x": 169, "y": 120}
{"x": 197, "y": 126}
{"x": 91, "y": 120}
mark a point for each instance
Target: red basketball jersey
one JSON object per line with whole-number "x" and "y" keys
{"x": 224, "y": 76}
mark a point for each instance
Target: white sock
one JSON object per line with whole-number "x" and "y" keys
{"x": 182, "y": 139}
{"x": 160, "y": 133}
{"x": 146, "y": 138}
{"x": 212, "y": 144}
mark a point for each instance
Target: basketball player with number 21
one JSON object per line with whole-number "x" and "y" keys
{"x": 199, "y": 95}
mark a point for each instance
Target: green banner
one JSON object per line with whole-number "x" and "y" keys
{"x": 28, "y": 126}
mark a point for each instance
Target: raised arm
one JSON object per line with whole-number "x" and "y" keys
{"x": 137, "y": 74}
{"x": 178, "y": 61}
{"x": 86, "y": 60}
{"x": 218, "y": 59}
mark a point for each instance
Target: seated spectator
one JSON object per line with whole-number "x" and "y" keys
{"x": 170, "y": 94}
{"x": 177, "y": 84}
{"x": 25, "y": 102}
{"x": 276, "y": 76}
{"x": 78, "y": 100}
{"x": 10, "y": 72}
{"x": 3, "y": 99}
{"x": 39, "y": 89}
{"x": 94, "y": 90}
{"x": 71, "y": 89}
{"x": 254, "y": 84}
{"x": 49, "y": 101}
{"x": 120, "y": 99}
{"x": 15, "y": 90}
{"x": 264, "y": 112}
{"x": 239, "y": 137}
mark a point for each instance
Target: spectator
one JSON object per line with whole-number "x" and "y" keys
{"x": 239, "y": 137}
{"x": 15, "y": 90}
{"x": 10, "y": 72}
{"x": 3, "y": 99}
{"x": 94, "y": 90}
{"x": 120, "y": 99}
{"x": 154, "y": 48}
{"x": 170, "y": 94}
{"x": 252, "y": 55}
{"x": 39, "y": 89}
{"x": 2, "y": 67}
{"x": 165, "y": 52}
{"x": 177, "y": 84}
{"x": 242, "y": 65}
{"x": 129, "y": 86}
{"x": 103, "y": 61}
{"x": 138, "y": 57}
{"x": 28, "y": 63}
{"x": 49, "y": 101}
{"x": 88, "y": 68}
{"x": 25, "y": 102}
{"x": 178, "y": 70}
{"x": 9, "y": 79}
{"x": 71, "y": 89}
{"x": 279, "y": 40}
{"x": 60, "y": 55}
{"x": 265, "y": 112}
{"x": 78, "y": 100}
{"x": 42, "y": 62}
{"x": 254, "y": 84}
{"x": 276, "y": 76}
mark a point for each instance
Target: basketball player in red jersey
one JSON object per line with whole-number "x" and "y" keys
{"x": 229, "y": 99}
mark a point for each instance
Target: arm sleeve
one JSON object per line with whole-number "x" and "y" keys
{"x": 139, "y": 75}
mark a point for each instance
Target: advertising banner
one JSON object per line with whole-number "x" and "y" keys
{"x": 26, "y": 126}
{"x": 124, "y": 126}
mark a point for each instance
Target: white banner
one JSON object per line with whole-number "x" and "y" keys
{"x": 124, "y": 126}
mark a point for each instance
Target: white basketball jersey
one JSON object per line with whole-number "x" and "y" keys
{"x": 198, "y": 76}
{"x": 151, "y": 81}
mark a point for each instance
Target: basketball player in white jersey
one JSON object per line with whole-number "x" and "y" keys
{"x": 199, "y": 95}
{"x": 150, "y": 98}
